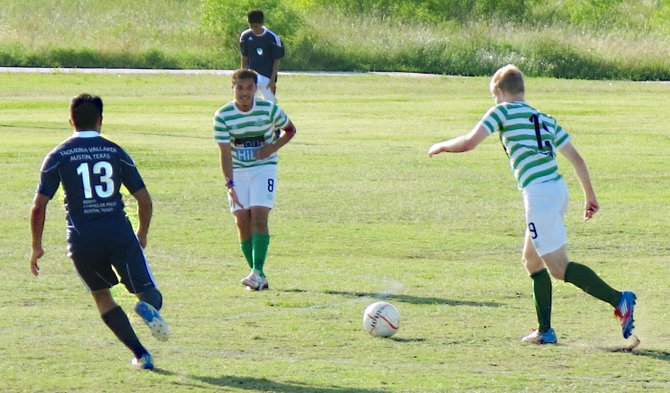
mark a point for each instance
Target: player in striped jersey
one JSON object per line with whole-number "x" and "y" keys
{"x": 531, "y": 139}
{"x": 244, "y": 130}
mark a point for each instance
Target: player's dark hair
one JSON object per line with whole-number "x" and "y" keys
{"x": 245, "y": 74}
{"x": 255, "y": 16}
{"x": 85, "y": 111}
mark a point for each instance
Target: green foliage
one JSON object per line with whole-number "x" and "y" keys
{"x": 430, "y": 11}
{"x": 226, "y": 19}
{"x": 90, "y": 58}
{"x": 594, "y": 13}
{"x": 311, "y": 52}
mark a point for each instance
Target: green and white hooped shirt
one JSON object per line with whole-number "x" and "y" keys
{"x": 248, "y": 131}
{"x": 530, "y": 138}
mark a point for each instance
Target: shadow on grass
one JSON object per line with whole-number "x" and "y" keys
{"x": 407, "y": 340}
{"x": 652, "y": 353}
{"x": 632, "y": 348}
{"x": 266, "y": 385}
{"x": 415, "y": 299}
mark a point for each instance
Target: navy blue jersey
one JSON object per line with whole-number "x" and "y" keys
{"x": 91, "y": 169}
{"x": 262, "y": 50}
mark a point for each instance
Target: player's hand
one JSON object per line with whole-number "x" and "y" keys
{"x": 590, "y": 208}
{"x": 265, "y": 151}
{"x": 233, "y": 196}
{"x": 37, "y": 253}
{"x": 142, "y": 237}
{"x": 435, "y": 149}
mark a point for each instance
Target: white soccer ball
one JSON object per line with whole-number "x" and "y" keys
{"x": 381, "y": 319}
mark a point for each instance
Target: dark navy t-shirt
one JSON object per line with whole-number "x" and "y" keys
{"x": 262, "y": 50}
{"x": 92, "y": 170}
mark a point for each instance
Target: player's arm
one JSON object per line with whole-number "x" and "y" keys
{"x": 590, "y": 202}
{"x": 277, "y": 54}
{"x": 38, "y": 214}
{"x": 273, "y": 79}
{"x": 461, "y": 143}
{"x": 287, "y": 133}
{"x": 145, "y": 211}
{"x": 244, "y": 53}
{"x": 226, "y": 156}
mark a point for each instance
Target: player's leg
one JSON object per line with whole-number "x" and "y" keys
{"x": 242, "y": 216}
{"x": 117, "y": 321}
{"x": 244, "y": 190}
{"x": 542, "y": 294}
{"x": 546, "y": 205}
{"x": 88, "y": 254}
{"x": 260, "y": 236}
{"x": 262, "y": 196}
{"x": 263, "y": 88}
{"x": 541, "y": 210}
{"x": 243, "y": 224}
{"x": 252, "y": 226}
{"x": 587, "y": 280}
{"x": 132, "y": 266}
{"x": 581, "y": 276}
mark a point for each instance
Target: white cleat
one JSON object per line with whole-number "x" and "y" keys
{"x": 151, "y": 316}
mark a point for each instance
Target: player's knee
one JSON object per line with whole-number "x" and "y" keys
{"x": 533, "y": 264}
{"x": 152, "y": 296}
{"x": 557, "y": 273}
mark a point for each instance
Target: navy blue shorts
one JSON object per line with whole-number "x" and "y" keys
{"x": 97, "y": 247}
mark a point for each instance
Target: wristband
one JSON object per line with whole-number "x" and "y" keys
{"x": 230, "y": 184}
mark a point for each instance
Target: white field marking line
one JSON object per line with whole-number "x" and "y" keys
{"x": 393, "y": 288}
{"x": 46, "y": 70}
{"x": 52, "y": 70}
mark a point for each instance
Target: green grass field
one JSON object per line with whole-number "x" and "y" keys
{"x": 363, "y": 214}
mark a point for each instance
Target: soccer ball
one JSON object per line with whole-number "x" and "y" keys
{"x": 381, "y": 319}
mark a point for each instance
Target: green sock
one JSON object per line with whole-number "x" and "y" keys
{"x": 260, "y": 243}
{"x": 542, "y": 295}
{"x": 247, "y": 251}
{"x": 586, "y": 279}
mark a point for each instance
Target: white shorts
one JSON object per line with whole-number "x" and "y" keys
{"x": 255, "y": 186}
{"x": 264, "y": 89}
{"x": 546, "y": 204}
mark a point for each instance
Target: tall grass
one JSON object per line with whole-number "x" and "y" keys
{"x": 479, "y": 47}
{"x": 122, "y": 33}
{"x": 622, "y": 39}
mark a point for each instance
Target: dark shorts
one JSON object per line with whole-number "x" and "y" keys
{"x": 95, "y": 248}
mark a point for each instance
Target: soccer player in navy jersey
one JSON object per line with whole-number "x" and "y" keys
{"x": 261, "y": 50}
{"x": 101, "y": 240}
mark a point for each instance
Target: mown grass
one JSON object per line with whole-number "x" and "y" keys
{"x": 363, "y": 214}
{"x": 566, "y": 39}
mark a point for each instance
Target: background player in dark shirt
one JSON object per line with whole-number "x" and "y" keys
{"x": 261, "y": 50}
{"x": 99, "y": 235}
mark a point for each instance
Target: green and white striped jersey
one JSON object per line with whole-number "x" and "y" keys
{"x": 530, "y": 138}
{"x": 248, "y": 131}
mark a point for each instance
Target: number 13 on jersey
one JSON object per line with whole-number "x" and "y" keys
{"x": 104, "y": 171}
